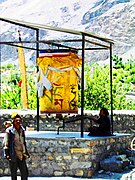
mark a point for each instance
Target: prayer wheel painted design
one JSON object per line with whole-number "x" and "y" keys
{"x": 58, "y": 79}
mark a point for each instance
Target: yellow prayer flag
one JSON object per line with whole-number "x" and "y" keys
{"x": 24, "y": 94}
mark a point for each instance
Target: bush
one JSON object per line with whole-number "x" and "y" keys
{"x": 10, "y": 97}
{"x": 11, "y": 92}
{"x": 10, "y": 66}
{"x": 97, "y": 92}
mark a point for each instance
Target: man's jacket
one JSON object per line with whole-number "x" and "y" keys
{"x": 14, "y": 144}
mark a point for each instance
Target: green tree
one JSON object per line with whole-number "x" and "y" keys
{"x": 97, "y": 90}
{"x": 96, "y": 93}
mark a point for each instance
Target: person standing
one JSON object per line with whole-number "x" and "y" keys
{"x": 15, "y": 149}
{"x": 104, "y": 128}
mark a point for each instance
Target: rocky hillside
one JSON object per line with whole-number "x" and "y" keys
{"x": 110, "y": 18}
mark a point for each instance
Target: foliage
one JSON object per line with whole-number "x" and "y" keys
{"x": 10, "y": 97}
{"x": 117, "y": 62}
{"x": 9, "y": 66}
{"x": 96, "y": 77}
{"x": 11, "y": 92}
{"x": 96, "y": 92}
{"x": 32, "y": 93}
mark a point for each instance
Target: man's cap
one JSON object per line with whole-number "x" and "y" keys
{"x": 15, "y": 115}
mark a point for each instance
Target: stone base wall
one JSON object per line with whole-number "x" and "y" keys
{"x": 68, "y": 156}
{"x": 123, "y": 121}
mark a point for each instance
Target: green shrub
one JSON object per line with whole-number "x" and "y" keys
{"x": 127, "y": 67}
{"x": 132, "y": 71}
{"x": 9, "y": 66}
{"x": 10, "y": 97}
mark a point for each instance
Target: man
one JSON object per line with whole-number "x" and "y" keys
{"x": 104, "y": 128}
{"x": 15, "y": 148}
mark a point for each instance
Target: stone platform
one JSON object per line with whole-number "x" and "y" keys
{"x": 67, "y": 154}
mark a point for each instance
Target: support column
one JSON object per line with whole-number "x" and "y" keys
{"x": 37, "y": 55}
{"x": 82, "y": 86}
{"x": 111, "y": 95}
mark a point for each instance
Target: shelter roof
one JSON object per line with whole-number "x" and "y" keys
{"x": 59, "y": 29}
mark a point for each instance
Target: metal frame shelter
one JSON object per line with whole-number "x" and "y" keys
{"x": 89, "y": 41}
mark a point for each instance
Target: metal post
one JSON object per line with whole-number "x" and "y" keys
{"x": 37, "y": 55}
{"x": 111, "y": 95}
{"x": 82, "y": 85}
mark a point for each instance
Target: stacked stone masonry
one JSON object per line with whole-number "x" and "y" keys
{"x": 69, "y": 156}
{"x": 123, "y": 121}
